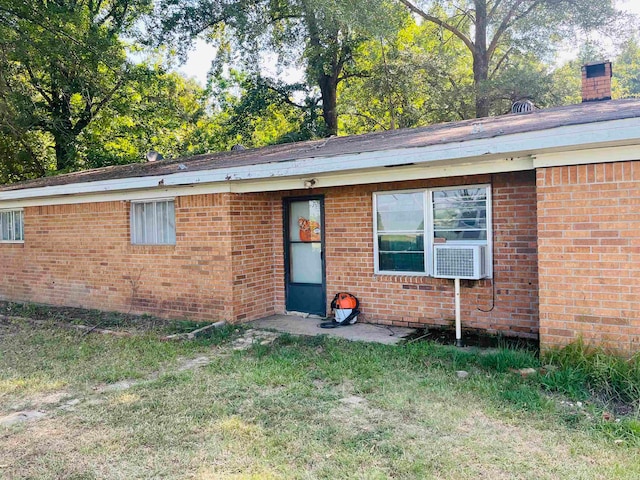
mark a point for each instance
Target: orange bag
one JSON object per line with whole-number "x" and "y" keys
{"x": 344, "y": 301}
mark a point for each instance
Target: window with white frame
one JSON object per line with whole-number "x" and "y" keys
{"x": 153, "y": 222}
{"x": 407, "y": 225}
{"x": 11, "y": 226}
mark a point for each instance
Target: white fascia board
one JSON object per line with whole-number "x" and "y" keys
{"x": 114, "y": 196}
{"x": 590, "y": 156}
{"x": 581, "y": 136}
{"x": 379, "y": 175}
{"x": 396, "y": 174}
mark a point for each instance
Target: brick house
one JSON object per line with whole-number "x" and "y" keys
{"x": 545, "y": 203}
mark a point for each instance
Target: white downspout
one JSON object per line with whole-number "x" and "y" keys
{"x": 459, "y": 343}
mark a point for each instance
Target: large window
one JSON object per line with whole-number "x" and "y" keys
{"x": 11, "y": 226}
{"x": 153, "y": 223}
{"x": 400, "y": 231}
{"x": 407, "y": 224}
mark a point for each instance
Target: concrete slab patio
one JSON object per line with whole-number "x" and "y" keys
{"x": 363, "y": 332}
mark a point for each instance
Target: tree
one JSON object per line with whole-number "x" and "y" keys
{"x": 420, "y": 78}
{"x": 162, "y": 111}
{"x": 626, "y": 70}
{"x": 61, "y": 63}
{"x": 494, "y": 30}
{"x": 320, "y": 36}
{"x": 256, "y": 112}
{"x": 155, "y": 110}
{"x": 23, "y": 155}
{"x": 415, "y": 79}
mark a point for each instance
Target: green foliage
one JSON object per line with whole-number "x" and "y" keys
{"x": 319, "y": 36}
{"x": 590, "y": 371}
{"x": 423, "y": 76}
{"x": 626, "y": 71}
{"x": 256, "y": 111}
{"x": 155, "y": 110}
{"x": 413, "y": 79}
{"x": 498, "y": 32}
{"x": 24, "y": 155}
{"x": 72, "y": 98}
{"x": 566, "y": 84}
{"x": 526, "y": 77}
{"x": 61, "y": 62}
{"x": 299, "y": 407}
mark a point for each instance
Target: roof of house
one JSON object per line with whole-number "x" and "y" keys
{"x": 441, "y": 134}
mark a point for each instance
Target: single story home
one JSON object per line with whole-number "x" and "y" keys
{"x": 538, "y": 212}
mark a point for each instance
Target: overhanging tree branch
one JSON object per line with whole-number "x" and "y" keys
{"x": 500, "y": 62}
{"x": 494, "y": 8}
{"x": 89, "y": 112}
{"x": 440, "y": 23}
{"x": 34, "y": 83}
{"x": 507, "y": 21}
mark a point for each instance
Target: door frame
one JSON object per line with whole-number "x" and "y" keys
{"x": 286, "y": 202}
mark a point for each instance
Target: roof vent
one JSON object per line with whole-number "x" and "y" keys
{"x": 523, "y": 106}
{"x": 153, "y": 156}
{"x": 238, "y": 146}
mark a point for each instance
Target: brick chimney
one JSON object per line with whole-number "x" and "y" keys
{"x": 596, "y": 81}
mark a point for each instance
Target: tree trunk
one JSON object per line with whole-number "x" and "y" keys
{"x": 328, "y": 82}
{"x": 481, "y": 61}
{"x": 329, "y": 91}
{"x": 61, "y": 128}
{"x": 65, "y": 149}
{"x": 480, "y": 76}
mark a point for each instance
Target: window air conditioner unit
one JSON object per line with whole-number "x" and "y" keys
{"x": 460, "y": 261}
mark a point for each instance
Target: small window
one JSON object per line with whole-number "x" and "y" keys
{"x": 407, "y": 225}
{"x": 153, "y": 223}
{"x": 12, "y": 226}
{"x": 460, "y": 214}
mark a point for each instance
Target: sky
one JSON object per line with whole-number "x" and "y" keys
{"x": 199, "y": 61}
{"x": 200, "y": 57}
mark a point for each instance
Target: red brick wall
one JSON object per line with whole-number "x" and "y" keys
{"x": 589, "y": 254}
{"x": 256, "y": 228}
{"x": 81, "y": 255}
{"x": 419, "y": 301}
{"x": 415, "y": 301}
{"x": 228, "y": 260}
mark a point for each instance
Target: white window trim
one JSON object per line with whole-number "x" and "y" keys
{"x": 21, "y": 210}
{"x": 375, "y": 233}
{"x": 132, "y": 220}
{"x": 429, "y": 229}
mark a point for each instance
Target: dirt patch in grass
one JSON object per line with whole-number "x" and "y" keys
{"x": 472, "y": 338}
{"x": 99, "y": 319}
{"x": 57, "y": 448}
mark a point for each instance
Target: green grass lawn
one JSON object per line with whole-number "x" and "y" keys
{"x": 296, "y": 408}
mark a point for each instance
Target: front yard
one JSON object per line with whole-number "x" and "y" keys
{"x": 124, "y": 408}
